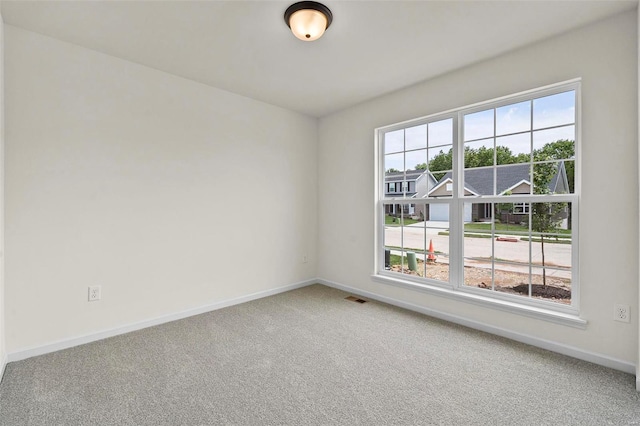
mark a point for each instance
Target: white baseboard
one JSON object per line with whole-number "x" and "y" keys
{"x": 519, "y": 337}
{"x": 571, "y": 351}
{"x": 88, "y": 338}
{"x": 3, "y": 366}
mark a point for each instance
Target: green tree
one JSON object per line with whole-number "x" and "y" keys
{"x": 421, "y": 166}
{"x": 473, "y": 157}
{"x": 441, "y": 162}
{"x": 545, "y": 217}
{"x": 392, "y": 170}
{"x": 562, "y": 149}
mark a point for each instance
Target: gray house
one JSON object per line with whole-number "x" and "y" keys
{"x": 401, "y": 184}
{"x": 511, "y": 179}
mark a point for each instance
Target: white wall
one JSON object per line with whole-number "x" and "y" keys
{"x": 3, "y": 347}
{"x": 169, "y": 194}
{"x": 636, "y": 315}
{"x": 605, "y": 56}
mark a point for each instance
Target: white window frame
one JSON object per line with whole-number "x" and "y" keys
{"x": 542, "y": 309}
{"x": 523, "y": 208}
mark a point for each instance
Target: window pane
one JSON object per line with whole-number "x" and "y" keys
{"x": 444, "y": 186}
{"x": 416, "y": 137}
{"x": 513, "y": 149}
{"x": 513, "y": 179}
{"x": 394, "y": 163}
{"x": 393, "y": 236}
{"x": 413, "y": 235}
{"x": 550, "y": 178}
{"x": 441, "y": 132}
{"x": 440, "y": 161}
{"x": 543, "y": 138}
{"x": 512, "y": 219}
{"x": 551, "y": 285}
{"x": 478, "y": 125}
{"x": 570, "y": 170}
{"x": 512, "y": 258}
{"x": 551, "y": 251}
{"x": 436, "y": 255}
{"x": 554, "y": 110}
{"x": 513, "y": 118}
{"x": 550, "y": 225}
{"x": 478, "y": 153}
{"x": 511, "y": 278}
{"x": 394, "y": 141}
{"x": 416, "y": 159}
{"x": 479, "y": 182}
{"x": 478, "y": 260}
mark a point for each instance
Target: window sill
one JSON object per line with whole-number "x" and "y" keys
{"x": 488, "y": 302}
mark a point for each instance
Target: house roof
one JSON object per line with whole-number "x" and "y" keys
{"x": 402, "y": 176}
{"x": 479, "y": 181}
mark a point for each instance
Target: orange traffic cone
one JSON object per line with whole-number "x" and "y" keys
{"x": 431, "y": 257}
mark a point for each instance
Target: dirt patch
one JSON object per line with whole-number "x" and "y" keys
{"x": 556, "y": 290}
{"x": 546, "y": 291}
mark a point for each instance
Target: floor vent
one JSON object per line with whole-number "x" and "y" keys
{"x": 355, "y": 299}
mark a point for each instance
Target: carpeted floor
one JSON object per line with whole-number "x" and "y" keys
{"x": 311, "y": 357}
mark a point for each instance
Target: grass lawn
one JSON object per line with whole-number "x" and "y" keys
{"x": 390, "y": 220}
{"x": 504, "y": 228}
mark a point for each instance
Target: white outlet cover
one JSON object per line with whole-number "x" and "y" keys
{"x": 94, "y": 293}
{"x": 621, "y": 313}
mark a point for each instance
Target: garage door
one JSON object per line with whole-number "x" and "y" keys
{"x": 440, "y": 212}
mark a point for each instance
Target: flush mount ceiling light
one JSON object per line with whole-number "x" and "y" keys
{"x": 308, "y": 19}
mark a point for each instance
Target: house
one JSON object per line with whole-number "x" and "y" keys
{"x": 406, "y": 184}
{"x": 147, "y": 145}
{"x": 511, "y": 179}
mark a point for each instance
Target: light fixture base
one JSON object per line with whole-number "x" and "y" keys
{"x": 308, "y": 20}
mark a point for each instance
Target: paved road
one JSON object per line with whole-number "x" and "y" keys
{"x": 480, "y": 249}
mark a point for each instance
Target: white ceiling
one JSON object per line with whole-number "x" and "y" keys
{"x": 372, "y": 47}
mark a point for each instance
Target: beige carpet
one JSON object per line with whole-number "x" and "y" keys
{"x": 311, "y": 357}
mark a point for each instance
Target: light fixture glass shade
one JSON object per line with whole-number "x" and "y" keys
{"x": 308, "y": 20}
{"x": 308, "y": 24}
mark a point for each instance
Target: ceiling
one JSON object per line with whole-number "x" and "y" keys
{"x": 245, "y": 47}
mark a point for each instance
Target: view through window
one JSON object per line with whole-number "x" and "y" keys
{"x": 484, "y": 199}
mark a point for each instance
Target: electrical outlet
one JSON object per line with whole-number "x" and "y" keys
{"x": 621, "y": 313}
{"x": 94, "y": 293}
{"x": 305, "y": 258}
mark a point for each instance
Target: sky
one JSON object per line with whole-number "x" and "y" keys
{"x": 518, "y": 126}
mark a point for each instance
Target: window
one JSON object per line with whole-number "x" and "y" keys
{"x": 495, "y": 203}
{"x": 521, "y": 208}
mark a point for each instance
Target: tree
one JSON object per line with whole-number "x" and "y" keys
{"x": 473, "y": 157}
{"x": 392, "y": 170}
{"x": 562, "y": 149}
{"x": 440, "y": 162}
{"x": 421, "y": 166}
{"x": 545, "y": 217}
